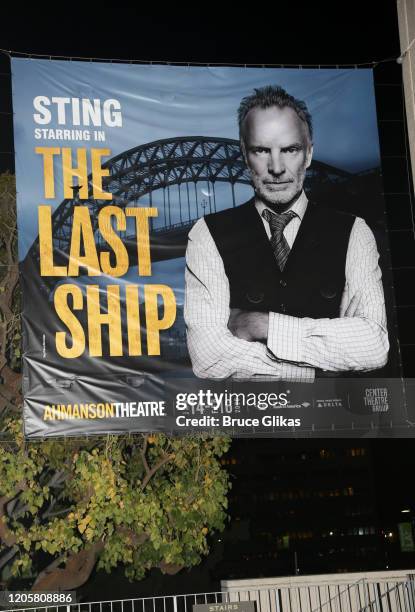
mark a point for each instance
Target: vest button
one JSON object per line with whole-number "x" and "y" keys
{"x": 283, "y": 283}
{"x": 282, "y": 307}
{"x": 328, "y": 292}
{"x": 255, "y": 298}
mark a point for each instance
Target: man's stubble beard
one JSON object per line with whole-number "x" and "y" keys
{"x": 278, "y": 207}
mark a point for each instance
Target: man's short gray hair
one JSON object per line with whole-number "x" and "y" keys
{"x": 273, "y": 95}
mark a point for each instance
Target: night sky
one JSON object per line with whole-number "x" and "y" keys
{"x": 312, "y": 33}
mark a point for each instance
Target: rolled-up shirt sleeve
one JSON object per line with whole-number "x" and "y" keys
{"x": 214, "y": 351}
{"x": 357, "y": 339}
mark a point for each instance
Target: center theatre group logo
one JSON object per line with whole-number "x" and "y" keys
{"x": 376, "y": 398}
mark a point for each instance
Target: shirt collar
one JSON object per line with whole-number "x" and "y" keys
{"x": 299, "y": 206}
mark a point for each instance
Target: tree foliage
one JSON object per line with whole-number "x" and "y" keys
{"x": 143, "y": 501}
{"x": 10, "y": 338}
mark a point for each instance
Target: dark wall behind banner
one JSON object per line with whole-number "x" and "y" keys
{"x": 399, "y": 201}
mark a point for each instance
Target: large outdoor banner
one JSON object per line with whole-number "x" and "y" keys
{"x": 203, "y": 248}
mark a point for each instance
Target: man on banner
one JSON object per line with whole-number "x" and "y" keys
{"x": 280, "y": 287}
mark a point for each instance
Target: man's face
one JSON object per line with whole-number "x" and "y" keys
{"x": 277, "y": 151}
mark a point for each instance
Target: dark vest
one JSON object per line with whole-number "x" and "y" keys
{"x": 313, "y": 279}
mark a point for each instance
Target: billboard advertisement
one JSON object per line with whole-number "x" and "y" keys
{"x": 203, "y": 249}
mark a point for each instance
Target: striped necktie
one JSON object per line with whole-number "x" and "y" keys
{"x": 277, "y": 223}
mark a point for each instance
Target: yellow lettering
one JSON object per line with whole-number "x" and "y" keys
{"x": 133, "y": 320}
{"x": 96, "y": 319}
{"x": 68, "y": 318}
{"x": 82, "y": 228}
{"x": 47, "y": 267}
{"x": 143, "y": 237}
{"x": 112, "y": 238}
{"x": 153, "y": 323}
{"x": 48, "y": 174}
{"x": 70, "y": 171}
{"x": 98, "y": 172}
{"x": 48, "y": 414}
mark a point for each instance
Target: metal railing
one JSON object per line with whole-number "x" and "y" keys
{"x": 360, "y": 596}
{"x": 399, "y": 596}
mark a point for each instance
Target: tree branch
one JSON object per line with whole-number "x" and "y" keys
{"x": 143, "y": 454}
{"x": 78, "y": 568}
{"x": 131, "y": 535}
{"x": 6, "y": 536}
{"x": 155, "y": 469}
{"x": 8, "y": 556}
{"x": 170, "y": 568}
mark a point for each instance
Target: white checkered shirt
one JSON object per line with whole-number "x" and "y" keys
{"x": 356, "y": 340}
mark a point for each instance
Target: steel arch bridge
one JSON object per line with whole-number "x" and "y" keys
{"x": 175, "y": 161}
{"x": 142, "y": 173}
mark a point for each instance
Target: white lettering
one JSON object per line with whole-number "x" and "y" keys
{"x": 112, "y": 113}
{"x": 77, "y": 111}
{"x": 61, "y": 103}
{"x": 43, "y": 116}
